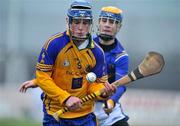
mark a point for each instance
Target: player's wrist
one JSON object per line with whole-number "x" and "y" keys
{"x": 104, "y": 95}
{"x": 66, "y": 99}
{"x": 34, "y": 81}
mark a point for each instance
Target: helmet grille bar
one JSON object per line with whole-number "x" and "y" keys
{"x": 80, "y": 7}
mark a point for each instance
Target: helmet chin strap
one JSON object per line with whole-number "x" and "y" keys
{"x": 74, "y": 38}
{"x": 106, "y": 37}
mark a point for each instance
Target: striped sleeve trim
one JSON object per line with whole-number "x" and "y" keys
{"x": 50, "y": 40}
{"x": 121, "y": 55}
{"x": 43, "y": 67}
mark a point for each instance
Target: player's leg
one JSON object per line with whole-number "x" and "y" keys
{"x": 88, "y": 120}
{"x": 49, "y": 120}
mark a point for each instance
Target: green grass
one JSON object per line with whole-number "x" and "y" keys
{"x": 18, "y": 122}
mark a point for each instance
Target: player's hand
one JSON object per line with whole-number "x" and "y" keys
{"x": 27, "y": 84}
{"x": 73, "y": 103}
{"x": 109, "y": 106}
{"x": 109, "y": 90}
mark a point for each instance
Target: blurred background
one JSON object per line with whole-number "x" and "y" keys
{"x": 148, "y": 25}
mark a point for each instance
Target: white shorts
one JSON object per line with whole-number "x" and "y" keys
{"x": 107, "y": 120}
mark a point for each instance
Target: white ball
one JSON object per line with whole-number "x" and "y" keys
{"x": 91, "y": 77}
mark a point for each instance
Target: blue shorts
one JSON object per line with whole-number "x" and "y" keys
{"x": 88, "y": 120}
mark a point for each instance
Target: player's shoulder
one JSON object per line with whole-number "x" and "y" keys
{"x": 57, "y": 40}
{"x": 97, "y": 48}
{"x": 98, "y": 51}
{"x": 119, "y": 45}
{"x": 96, "y": 38}
{"x": 96, "y": 45}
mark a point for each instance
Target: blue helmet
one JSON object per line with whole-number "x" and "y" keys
{"x": 80, "y": 9}
{"x": 112, "y": 13}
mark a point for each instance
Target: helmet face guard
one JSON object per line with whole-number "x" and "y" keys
{"x": 113, "y": 15}
{"x": 80, "y": 10}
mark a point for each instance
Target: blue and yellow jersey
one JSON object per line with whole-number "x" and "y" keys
{"x": 61, "y": 72}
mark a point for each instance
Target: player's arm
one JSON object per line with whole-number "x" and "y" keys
{"x": 44, "y": 68}
{"x": 121, "y": 68}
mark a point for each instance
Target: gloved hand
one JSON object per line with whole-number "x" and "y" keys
{"x": 108, "y": 106}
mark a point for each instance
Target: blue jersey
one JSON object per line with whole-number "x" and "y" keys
{"x": 117, "y": 64}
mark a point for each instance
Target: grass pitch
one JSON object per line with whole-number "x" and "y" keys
{"x": 18, "y": 122}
